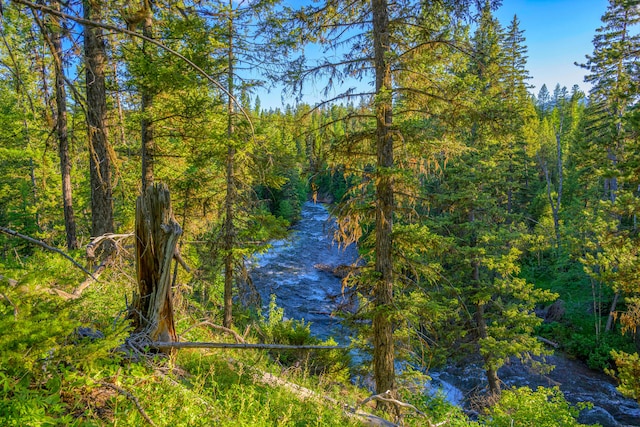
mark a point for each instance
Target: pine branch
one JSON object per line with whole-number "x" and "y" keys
{"x": 90, "y": 23}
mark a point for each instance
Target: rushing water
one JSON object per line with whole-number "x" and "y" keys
{"x": 305, "y": 292}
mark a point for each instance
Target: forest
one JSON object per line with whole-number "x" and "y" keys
{"x": 140, "y": 177}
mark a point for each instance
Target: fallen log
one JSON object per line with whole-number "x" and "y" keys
{"x": 304, "y": 394}
{"x": 548, "y": 342}
{"x": 241, "y": 346}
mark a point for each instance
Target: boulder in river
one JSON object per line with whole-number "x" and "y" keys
{"x": 597, "y": 415}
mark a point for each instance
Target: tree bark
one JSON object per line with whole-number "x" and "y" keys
{"x": 61, "y": 130}
{"x": 99, "y": 150}
{"x": 383, "y": 345}
{"x": 612, "y": 311}
{"x": 230, "y": 199}
{"x": 147, "y": 126}
{"x": 157, "y": 234}
{"x": 481, "y": 324}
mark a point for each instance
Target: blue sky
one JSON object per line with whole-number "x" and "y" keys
{"x": 558, "y": 33}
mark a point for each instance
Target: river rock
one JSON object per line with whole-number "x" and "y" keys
{"x": 555, "y": 312}
{"x": 597, "y": 415}
{"x": 323, "y": 267}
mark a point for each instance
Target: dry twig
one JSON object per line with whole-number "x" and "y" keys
{"x": 131, "y": 397}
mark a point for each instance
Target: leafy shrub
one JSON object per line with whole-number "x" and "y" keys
{"x": 278, "y": 330}
{"x": 523, "y": 407}
{"x": 628, "y": 373}
{"x": 597, "y": 353}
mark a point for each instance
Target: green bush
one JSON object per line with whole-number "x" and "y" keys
{"x": 278, "y": 330}
{"x": 523, "y": 407}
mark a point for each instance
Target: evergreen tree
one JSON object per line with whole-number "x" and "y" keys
{"x": 611, "y": 135}
{"x": 394, "y": 38}
{"x": 477, "y": 209}
{"x": 100, "y": 151}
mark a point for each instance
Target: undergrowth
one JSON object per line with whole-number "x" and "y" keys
{"x": 61, "y": 365}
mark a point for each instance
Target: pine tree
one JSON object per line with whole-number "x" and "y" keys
{"x": 477, "y": 211}
{"x": 100, "y": 151}
{"x": 394, "y": 40}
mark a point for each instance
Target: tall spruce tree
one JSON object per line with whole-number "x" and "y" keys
{"x": 612, "y": 134}
{"x": 392, "y": 35}
{"x": 477, "y": 209}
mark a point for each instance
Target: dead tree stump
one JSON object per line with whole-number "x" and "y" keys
{"x": 157, "y": 234}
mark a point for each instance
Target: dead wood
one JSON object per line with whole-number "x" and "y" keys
{"x": 305, "y": 394}
{"x": 157, "y": 233}
{"x": 241, "y": 346}
{"x": 548, "y": 342}
{"x": 45, "y": 246}
{"x": 77, "y": 292}
{"x": 131, "y": 397}
{"x": 98, "y": 241}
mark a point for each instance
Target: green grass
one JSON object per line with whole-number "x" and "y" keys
{"x": 51, "y": 377}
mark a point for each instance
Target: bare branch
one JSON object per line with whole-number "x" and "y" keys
{"x": 242, "y": 346}
{"x": 45, "y": 246}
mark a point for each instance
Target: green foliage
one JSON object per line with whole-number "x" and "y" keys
{"x": 522, "y": 407}
{"x": 43, "y": 356}
{"x": 628, "y": 373}
{"x": 275, "y": 329}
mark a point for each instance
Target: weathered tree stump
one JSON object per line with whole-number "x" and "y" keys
{"x": 157, "y": 234}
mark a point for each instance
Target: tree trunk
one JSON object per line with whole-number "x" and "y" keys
{"x": 147, "y": 126}
{"x": 229, "y": 227}
{"x": 157, "y": 234}
{"x": 383, "y": 345}
{"x": 491, "y": 373}
{"x": 99, "y": 150}
{"x": 61, "y": 130}
{"x": 612, "y": 311}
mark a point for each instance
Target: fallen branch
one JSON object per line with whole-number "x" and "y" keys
{"x": 131, "y": 397}
{"x": 548, "y": 342}
{"x": 45, "y": 246}
{"x": 77, "y": 292}
{"x": 384, "y": 397}
{"x": 237, "y": 336}
{"x": 96, "y": 242}
{"x": 242, "y": 346}
{"x": 304, "y": 394}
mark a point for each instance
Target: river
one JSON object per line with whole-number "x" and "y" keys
{"x": 306, "y": 292}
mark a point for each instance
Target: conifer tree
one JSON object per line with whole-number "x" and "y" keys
{"x": 100, "y": 151}
{"x": 477, "y": 210}
{"x": 611, "y": 133}
{"x": 393, "y": 36}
